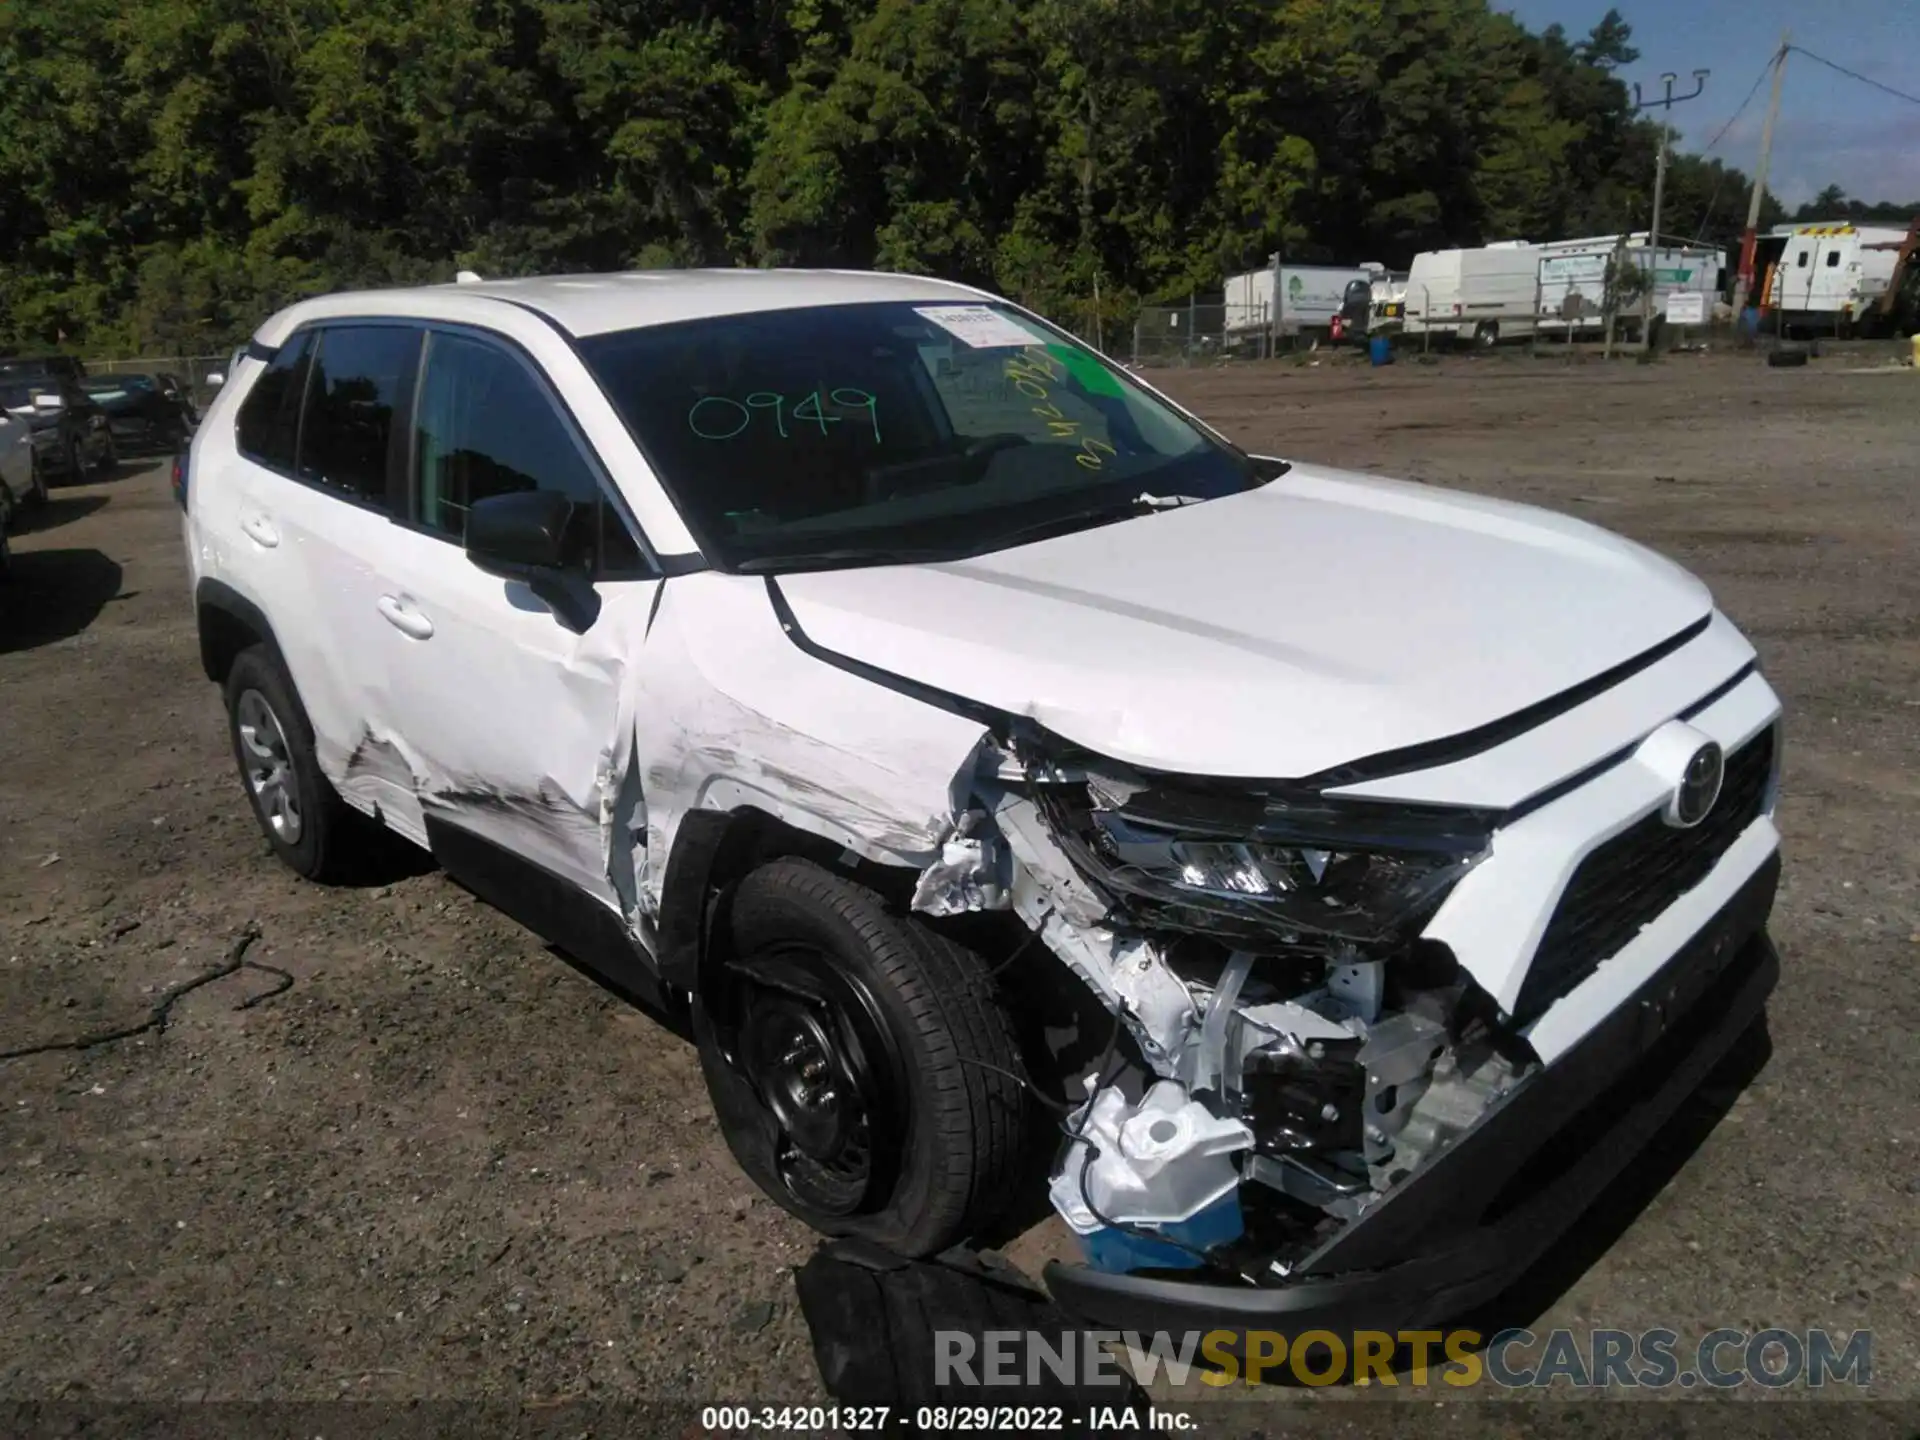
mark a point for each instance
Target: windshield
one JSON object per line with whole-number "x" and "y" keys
{"x": 15, "y": 395}
{"x": 854, "y": 434}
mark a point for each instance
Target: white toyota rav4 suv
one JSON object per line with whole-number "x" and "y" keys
{"x": 1316, "y": 886}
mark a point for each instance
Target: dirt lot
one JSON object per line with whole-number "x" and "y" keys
{"x": 443, "y": 1164}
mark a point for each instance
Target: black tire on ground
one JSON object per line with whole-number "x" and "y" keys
{"x": 109, "y": 456}
{"x": 37, "y": 481}
{"x": 938, "y": 1139}
{"x": 1781, "y": 359}
{"x": 74, "y": 469}
{"x": 324, "y": 842}
{"x": 1486, "y": 334}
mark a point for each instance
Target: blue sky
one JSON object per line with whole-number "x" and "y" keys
{"x": 1832, "y": 130}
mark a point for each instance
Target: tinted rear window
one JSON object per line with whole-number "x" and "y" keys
{"x": 269, "y": 424}
{"x": 360, "y": 379}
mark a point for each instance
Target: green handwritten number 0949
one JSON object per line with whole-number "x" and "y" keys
{"x": 732, "y": 417}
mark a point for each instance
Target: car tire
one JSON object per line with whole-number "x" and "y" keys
{"x": 109, "y": 462}
{"x": 304, "y": 819}
{"x": 72, "y": 468}
{"x": 864, "y": 1072}
{"x": 7, "y": 512}
{"x": 36, "y": 479}
{"x": 1486, "y": 335}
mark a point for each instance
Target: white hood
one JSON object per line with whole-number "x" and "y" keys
{"x": 1318, "y": 620}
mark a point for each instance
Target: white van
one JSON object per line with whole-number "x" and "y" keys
{"x": 1486, "y": 295}
{"x": 1832, "y": 275}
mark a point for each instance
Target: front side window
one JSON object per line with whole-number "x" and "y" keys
{"x": 854, "y": 434}
{"x": 269, "y": 422}
{"x": 483, "y": 425}
{"x": 359, "y": 379}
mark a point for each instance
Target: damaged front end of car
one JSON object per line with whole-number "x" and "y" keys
{"x": 1298, "y": 1049}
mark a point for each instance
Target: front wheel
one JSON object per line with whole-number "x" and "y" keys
{"x": 863, "y": 1071}
{"x": 109, "y": 455}
{"x": 36, "y": 480}
{"x": 1486, "y": 334}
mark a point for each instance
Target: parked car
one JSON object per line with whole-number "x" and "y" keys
{"x": 948, "y": 729}
{"x": 19, "y": 463}
{"x": 70, "y": 430}
{"x": 143, "y": 411}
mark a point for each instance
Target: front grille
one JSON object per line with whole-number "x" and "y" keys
{"x": 1625, "y": 884}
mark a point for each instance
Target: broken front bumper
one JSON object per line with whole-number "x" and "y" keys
{"x": 1472, "y": 1221}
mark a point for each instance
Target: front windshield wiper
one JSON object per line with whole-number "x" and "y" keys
{"x": 1090, "y": 517}
{"x": 840, "y": 559}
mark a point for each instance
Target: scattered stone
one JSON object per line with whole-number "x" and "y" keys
{"x": 752, "y": 1317}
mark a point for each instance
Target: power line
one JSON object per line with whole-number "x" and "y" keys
{"x": 1713, "y": 196}
{"x": 1856, "y": 75}
{"x": 1752, "y": 91}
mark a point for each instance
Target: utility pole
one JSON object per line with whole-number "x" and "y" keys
{"x": 1750, "y": 241}
{"x": 1664, "y": 105}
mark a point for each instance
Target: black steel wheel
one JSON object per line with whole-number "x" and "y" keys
{"x": 862, "y": 1069}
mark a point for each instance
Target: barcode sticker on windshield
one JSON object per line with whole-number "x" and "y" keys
{"x": 978, "y": 326}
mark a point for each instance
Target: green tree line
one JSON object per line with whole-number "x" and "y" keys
{"x": 172, "y": 172}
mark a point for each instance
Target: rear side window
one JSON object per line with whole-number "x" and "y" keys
{"x": 485, "y": 425}
{"x": 269, "y": 425}
{"x": 1833, "y": 258}
{"x": 361, "y": 379}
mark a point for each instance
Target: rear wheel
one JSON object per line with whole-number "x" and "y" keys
{"x": 6, "y": 524}
{"x": 305, "y": 821}
{"x": 1486, "y": 334}
{"x": 863, "y": 1071}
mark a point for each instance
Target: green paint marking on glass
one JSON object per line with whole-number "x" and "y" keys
{"x": 1088, "y": 373}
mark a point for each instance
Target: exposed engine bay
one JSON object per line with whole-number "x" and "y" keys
{"x": 1300, "y": 1050}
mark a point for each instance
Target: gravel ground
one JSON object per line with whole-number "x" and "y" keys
{"x": 433, "y": 1161}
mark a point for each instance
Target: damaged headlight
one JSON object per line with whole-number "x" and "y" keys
{"x": 1252, "y": 865}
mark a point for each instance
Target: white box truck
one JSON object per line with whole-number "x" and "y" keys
{"x": 1830, "y": 276}
{"x": 1310, "y": 296}
{"x": 1573, "y": 281}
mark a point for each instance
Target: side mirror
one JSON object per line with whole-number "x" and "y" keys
{"x": 521, "y": 530}
{"x": 522, "y": 536}
{"x": 49, "y": 401}
{"x": 215, "y": 379}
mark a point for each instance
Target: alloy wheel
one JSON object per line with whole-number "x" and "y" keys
{"x": 268, "y": 765}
